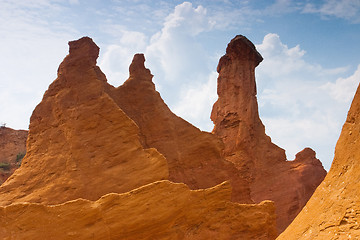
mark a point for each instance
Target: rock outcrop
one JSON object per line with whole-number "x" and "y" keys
{"x": 333, "y": 212}
{"x": 89, "y": 140}
{"x": 12, "y": 150}
{"x": 235, "y": 115}
{"x": 194, "y": 157}
{"x": 91, "y": 172}
{"x": 161, "y": 210}
{"x": 81, "y": 144}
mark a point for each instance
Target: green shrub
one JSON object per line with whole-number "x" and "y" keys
{"x": 5, "y": 166}
{"x": 19, "y": 157}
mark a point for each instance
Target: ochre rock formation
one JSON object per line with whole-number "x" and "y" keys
{"x": 81, "y": 144}
{"x": 194, "y": 157}
{"x": 235, "y": 115}
{"x": 88, "y": 139}
{"x": 333, "y": 212}
{"x": 161, "y": 210}
{"x": 12, "y": 149}
{"x": 88, "y": 172}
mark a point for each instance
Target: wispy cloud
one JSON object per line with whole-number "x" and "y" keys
{"x": 343, "y": 90}
{"x": 345, "y": 9}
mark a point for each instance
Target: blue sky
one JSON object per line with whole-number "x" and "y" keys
{"x": 306, "y": 82}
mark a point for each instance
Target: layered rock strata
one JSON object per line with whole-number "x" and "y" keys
{"x": 12, "y": 150}
{"x": 161, "y": 210}
{"x": 235, "y": 115}
{"x": 333, "y": 212}
{"x": 80, "y": 143}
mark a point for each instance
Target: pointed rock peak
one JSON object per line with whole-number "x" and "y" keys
{"x": 84, "y": 49}
{"x": 242, "y": 49}
{"x": 137, "y": 67}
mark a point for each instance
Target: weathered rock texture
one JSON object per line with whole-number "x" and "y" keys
{"x": 262, "y": 163}
{"x": 161, "y": 210}
{"x": 12, "y": 149}
{"x": 81, "y": 144}
{"x": 333, "y": 212}
{"x": 194, "y": 157}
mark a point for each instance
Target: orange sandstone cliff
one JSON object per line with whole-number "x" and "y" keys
{"x": 333, "y": 212}
{"x": 12, "y": 150}
{"x": 89, "y": 172}
{"x": 80, "y": 143}
{"x": 235, "y": 115}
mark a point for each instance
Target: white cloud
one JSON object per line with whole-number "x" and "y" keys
{"x": 115, "y": 62}
{"x": 116, "y": 59}
{"x": 343, "y": 90}
{"x": 278, "y": 56}
{"x": 187, "y": 19}
{"x": 301, "y": 104}
{"x": 196, "y": 102}
{"x": 175, "y": 55}
{"x": 288, "y": 61}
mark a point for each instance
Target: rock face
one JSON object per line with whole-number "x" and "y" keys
{"x": 333, "y": 212}
{"x": 161, "y": 210}
{"x": 194, "y": 157}
{"x": 235, "y": 115}
{"x": 84, "y": 145}
{"x": 81, "y": 144}
{"x": 12, "y": 150}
